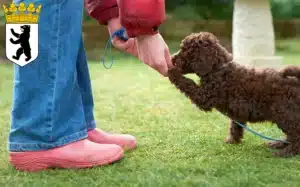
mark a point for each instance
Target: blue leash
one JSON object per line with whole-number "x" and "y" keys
{"x": 258, "y": 134}
{"x": 121, "y": 33}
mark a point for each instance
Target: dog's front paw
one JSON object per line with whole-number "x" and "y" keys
{"x": 287, "y": 152}
{"x": 283, "y": 154}
{"x": 174, "y": 71}
{"x": 174, "y": 74}
{"x": 230, "y": 140}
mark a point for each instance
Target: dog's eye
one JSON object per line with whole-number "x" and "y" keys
{"x": 205, "y": 44}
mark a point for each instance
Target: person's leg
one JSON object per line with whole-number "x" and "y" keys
{"x": 47, "y": 106}
{"x": 96, "y": 135}
{"x": 48, "y": 117}
{"x": 84, "y": 83}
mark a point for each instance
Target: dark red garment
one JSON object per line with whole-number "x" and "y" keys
{"x": 138, "y": 17}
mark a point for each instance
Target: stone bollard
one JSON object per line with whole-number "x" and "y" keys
{"x": 253, "y": 38}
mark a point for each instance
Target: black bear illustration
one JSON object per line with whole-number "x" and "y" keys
{"x": 23, "y": 40}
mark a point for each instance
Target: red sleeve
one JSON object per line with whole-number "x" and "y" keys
{"x": 141, "y": 17}
{"x": 102, "y": 10}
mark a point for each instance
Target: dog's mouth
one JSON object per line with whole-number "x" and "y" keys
{"x": 174, "y": 56}
{"x": 177, "y": 62}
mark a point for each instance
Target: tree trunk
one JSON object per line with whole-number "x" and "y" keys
{"x": 253, "y": 37}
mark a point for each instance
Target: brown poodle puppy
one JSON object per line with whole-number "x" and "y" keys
{"x": 243, "y": 94}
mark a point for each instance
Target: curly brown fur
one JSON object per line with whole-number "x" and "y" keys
{"x": 291, "y": 71}
{"x": 243, "y": 94}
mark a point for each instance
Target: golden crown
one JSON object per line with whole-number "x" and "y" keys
{"x": 22, "y": 13}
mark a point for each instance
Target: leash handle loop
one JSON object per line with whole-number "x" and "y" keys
{"x": 122, "y": 34}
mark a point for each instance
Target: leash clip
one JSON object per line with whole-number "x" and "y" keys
{"x": 122, "y": 34}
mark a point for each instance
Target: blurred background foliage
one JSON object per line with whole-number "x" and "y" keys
{"x": 215, "y": 9}
{"x": 223, "y": 9}
{"x": 186, "y": 16}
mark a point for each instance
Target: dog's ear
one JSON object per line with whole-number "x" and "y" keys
{"x": 205, "y": 58}
{"x": 226, "y": 57}
{"x": 229, "y": 57}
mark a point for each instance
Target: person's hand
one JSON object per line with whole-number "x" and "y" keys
{"x": 150, "y": 49}
{"x": 153, "y": 51}
{"x": 128, "y": 46}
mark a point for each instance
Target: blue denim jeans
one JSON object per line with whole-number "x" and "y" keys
{"x": 52, "y": 97}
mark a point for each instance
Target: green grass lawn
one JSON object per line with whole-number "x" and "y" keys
{"x": 177, "y": 144}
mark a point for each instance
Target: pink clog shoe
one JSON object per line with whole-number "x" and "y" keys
{"x": 80, "y": 154}
{"x": 127, "y": 142}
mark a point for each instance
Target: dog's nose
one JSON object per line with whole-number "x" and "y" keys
{"x": 175, "y": 54}
{"x": 173, "y": 60}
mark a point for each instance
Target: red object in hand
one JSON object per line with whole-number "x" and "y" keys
{"x": 139, "y": 17}
{"x": 102, "y": 10}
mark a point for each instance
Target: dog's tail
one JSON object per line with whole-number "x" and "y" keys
{"x": 291, "y": 71}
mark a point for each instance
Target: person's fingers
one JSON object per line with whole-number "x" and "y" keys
{"x": 144, "y": 57}
{"x": 158, "y": 65}
{"x": 151, "y": 51}
{"x": 161, "y": 67}
{"x": 120, "y": 44}
{"x": 128, "y": 46}
{"x": 134, "y": 48}
{"x": 157, "y": 62}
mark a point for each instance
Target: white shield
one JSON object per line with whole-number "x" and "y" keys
{"x": 21, "y": 43}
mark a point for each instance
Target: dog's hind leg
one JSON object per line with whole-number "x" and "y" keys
{"x": 292, "y": 71}
{"x": 277, "y": 144}
{"x": 292, "y": 131}
{"x": 292, "y": 149}
{"x": 288, "y": 120}
{"x": 236, "y": 133}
